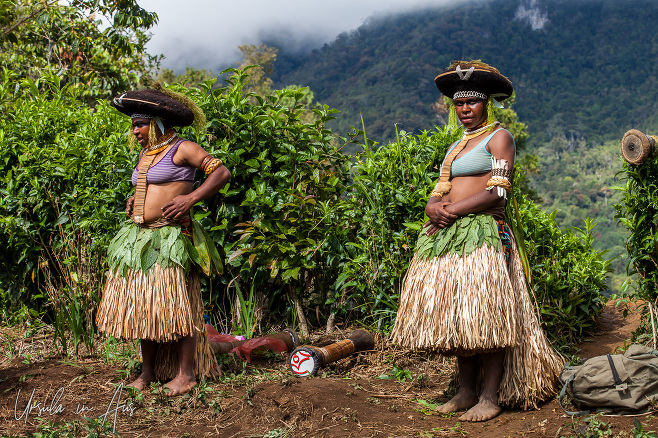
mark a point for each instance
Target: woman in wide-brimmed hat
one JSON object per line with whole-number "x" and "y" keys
{"x": 152, "y": 291}
{"x": 465, "y": 292}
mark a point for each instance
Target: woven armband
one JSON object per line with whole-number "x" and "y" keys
{"x": 210, "y": 164}
{"x": 501, "y": 177}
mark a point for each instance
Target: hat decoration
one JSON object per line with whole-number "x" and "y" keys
{"x": 175, "y": 109}
{"x": 474, "y": 77}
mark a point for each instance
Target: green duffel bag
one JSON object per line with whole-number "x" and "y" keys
{"x": 613, "y": 384}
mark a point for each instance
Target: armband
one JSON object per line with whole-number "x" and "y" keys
{"x": 501, "y": 177}
{"x": 210, "y": 164}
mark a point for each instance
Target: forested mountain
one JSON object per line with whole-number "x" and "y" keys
{"x": 584, "y": 65}
{"x": 584, "y": 72}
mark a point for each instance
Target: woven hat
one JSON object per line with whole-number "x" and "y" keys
{"x": 474, "y": 76}
{"x": 154, "y": 103}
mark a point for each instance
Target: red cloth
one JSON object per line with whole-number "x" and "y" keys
{"x": 273, "y": 344}
{"x": 215, "y": 336}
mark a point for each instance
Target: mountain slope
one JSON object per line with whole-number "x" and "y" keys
{"x": 589, "y": 66}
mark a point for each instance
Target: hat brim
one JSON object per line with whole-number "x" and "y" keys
{"x": 156, "y": 104}
{"x": 485, "y": 81}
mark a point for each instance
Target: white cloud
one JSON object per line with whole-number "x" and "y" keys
{"x": 207, "y": 33}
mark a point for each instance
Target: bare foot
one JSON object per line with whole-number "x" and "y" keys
{"x": 180, "y": 385}
{"x": 142, "y": 381}
{"x": 483, "y": 411}
{"x": 462, "y": 400}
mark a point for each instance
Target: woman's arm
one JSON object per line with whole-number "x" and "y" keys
{"x": 191, "y": 154}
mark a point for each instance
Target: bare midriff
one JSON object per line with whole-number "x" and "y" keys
{"x": 466, "y": 186}
{"x": 157, "y": 195}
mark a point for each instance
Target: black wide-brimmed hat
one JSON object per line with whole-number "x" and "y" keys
{"x": 474, "y": 76}
{"x": 154, "y": 103}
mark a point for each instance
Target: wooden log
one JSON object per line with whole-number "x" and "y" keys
{"x": 637, "y": 147}
{"x": 307, "y": 360}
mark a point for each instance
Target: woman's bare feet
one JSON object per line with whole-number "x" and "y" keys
{"x": 180, "y": 385}
{"x": 483, "y": 411}
{"x": 143, "y": 381}
{"x": 462, "y": 400}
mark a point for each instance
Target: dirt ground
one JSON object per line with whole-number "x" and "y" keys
{"x": 263, "y": 399}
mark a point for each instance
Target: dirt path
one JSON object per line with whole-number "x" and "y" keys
{"x": 348, "y": 400}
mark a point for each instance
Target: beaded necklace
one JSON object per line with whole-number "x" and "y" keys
{"x": 170, "y": 135}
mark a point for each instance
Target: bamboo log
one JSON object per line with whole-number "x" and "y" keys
{"x": 307, "y": 360}
{"x": 637, "y": 147}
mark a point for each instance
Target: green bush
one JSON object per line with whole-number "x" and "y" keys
{"x": 385, "y": 210}
{"x": 310, "y": 234}
{"x": 638, "y": 212}
{"x": 568, "y": 275}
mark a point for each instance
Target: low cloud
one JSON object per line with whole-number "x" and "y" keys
{"x": 206, "y": 33}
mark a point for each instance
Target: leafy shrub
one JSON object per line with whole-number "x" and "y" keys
{"x": 638, "y": 211}
{"x": 65, "y": 177}
{"x": 300, "y": 226}
{"x": 567, "y": 273}
{"x": 385, "y": 209}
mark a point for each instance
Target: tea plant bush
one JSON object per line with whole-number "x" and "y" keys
{"x": 64, "y": 169}
{"x": 638, "y": 212}
{"x": 567, "y": 273}
{"x": 277, "y": 218}
{"x": 309, "y": 233}
{"x": 385, "y": 207}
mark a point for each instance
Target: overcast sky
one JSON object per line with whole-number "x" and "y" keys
{"x": 207, "y": 33}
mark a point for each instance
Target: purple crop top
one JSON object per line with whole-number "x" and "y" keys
{"x": 166, "y": 170}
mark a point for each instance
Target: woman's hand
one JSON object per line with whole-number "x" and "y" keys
{"x": 178, "y": 207}
{"x": 438, "y": 215}
{"x": 130, "y": 203}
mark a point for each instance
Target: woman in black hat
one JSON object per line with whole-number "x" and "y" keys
{"x": 465, "y": 292}
{"x": 152, "y": 291}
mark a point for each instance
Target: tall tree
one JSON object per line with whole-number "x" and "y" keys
{"x": 71, "y": 40}
{"x": 261, "y": 58}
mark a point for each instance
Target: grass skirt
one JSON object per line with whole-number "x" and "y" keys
{"x": 161, "y": 305}
{"x": 477, "y": 303}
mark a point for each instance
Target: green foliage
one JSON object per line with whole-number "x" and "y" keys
{"x": 567, "y": 273}
{"x": 638, "y": 212}
{"x": 288, "y": 176}
{"x": 384, "y": 210}
{"x": 247, "y": 312}
{"x": 64, "y": 180}
{"x": 398, "y": 373}
{"x": 70, "y": 40}
{"x": 191, "y": 78}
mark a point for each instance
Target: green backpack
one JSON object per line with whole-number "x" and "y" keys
{"x": 613, "y": 384}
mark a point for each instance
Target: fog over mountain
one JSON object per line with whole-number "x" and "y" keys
{"x": 206, "y": 33}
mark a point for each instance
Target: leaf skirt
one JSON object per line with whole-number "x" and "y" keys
{"x": 478, "y": 303}
{"x": 160, "y": 304}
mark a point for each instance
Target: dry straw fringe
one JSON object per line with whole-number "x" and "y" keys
{"x": 447, "y": 304}
{"x": 532, "y": 369}
{"x": 160, "y": 306}
{"x": 473, "y": 304}
{"x": 205, "y": 363}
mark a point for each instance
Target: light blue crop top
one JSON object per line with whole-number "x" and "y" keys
{"x": 475, "y": 161}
